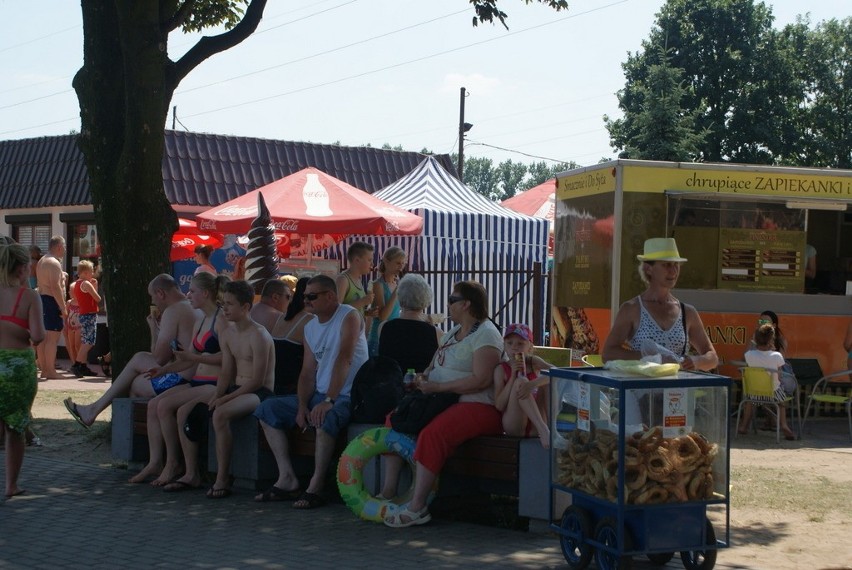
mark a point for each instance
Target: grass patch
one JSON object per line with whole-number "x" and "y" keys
{"x": 789, "y": 491}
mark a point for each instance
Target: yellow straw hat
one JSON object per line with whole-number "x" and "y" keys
{"x": 661, "y": 249}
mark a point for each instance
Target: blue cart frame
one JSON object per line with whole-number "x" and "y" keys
{"x": 623, "y": 530}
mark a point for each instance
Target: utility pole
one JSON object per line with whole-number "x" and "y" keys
{"x": 174, "y": 116}
{"x": 462, "y": 131}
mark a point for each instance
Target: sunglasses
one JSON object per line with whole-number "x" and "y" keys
{"x": 314, "y": 296}
{"x": 455, "y": 299}
{"x": 764, "y": 321}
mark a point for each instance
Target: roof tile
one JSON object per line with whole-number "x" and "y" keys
{"x": 198, "y": 169}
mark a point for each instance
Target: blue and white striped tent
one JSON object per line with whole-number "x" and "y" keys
{"x": 465, "y": 236}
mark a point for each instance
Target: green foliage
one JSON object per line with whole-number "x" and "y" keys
{"x": 823, "y": 116}
{"x": 715, "y": 82}
{"x": 486, "y": 10}
{"x": 660, "y": 129}
{"x": 211, "y": 13}
{"x": 508, "y": 178}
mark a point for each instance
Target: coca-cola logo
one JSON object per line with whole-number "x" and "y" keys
{"x": 391, "y": 226}
{"x": 207, "y": 225}
{"x": 287, "y": 226}
{"x": 184, "y": 242}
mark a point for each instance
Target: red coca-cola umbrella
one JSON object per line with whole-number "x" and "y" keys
{"x": 539, "y": 202}
{"x": 189, "y": 236}
{"x": 313, "y": 202}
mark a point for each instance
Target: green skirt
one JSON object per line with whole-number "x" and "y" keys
{"x": 18, "y": 387}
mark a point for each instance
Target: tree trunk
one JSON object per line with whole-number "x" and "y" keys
{"x": 123, "y": 102}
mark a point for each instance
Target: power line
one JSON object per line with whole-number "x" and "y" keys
{"x": 319, "y": 54}
{"x": 38, "y": 39}
{"x": 514, "y": 151}
{"x": 9, "y": 106}
{"x": 39, "y": 126}
{"x": 401, "y": 64}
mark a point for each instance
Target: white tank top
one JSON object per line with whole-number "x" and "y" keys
{"x": 324, "y": 341}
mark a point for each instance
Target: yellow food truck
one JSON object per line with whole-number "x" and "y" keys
{"x": 757, "y": 238}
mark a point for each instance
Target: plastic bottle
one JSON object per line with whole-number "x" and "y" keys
{"x": 408, "y": 379}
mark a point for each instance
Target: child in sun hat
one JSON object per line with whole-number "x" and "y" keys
{"x": 516, "y": 384}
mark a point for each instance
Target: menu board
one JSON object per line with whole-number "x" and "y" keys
{"x": 761, "y": 260}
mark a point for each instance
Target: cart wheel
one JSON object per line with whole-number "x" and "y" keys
{"x": 661, "y": 558}
{"x": 701, "y": 559}
{"x": 606, "y": 533}
{"x": 577, "y": 552}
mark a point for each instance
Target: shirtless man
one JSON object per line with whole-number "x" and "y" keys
{"x": 176, "y": 322}
{"x": 273, "y": 302}
{"x": 52, "y": 291}
{"x": 247, "y": 379}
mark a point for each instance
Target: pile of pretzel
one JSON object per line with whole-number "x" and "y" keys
{"x": 657, "y": 469}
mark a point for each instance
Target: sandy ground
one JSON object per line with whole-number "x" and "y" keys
{"x": 791, "y": 502}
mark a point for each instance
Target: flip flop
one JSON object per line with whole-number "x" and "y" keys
{"x": 179, "y": 486}
{"x": 214, "y": 493}
{"x": 16, "y": 493}
{"x": 277, "y": 494}
{"x": 309, "y": 501}
{"x": 72, "y": 409}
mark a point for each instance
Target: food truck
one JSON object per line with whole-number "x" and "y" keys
{"x": 756, "y": 238}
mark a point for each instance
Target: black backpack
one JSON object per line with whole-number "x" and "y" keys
{"x": 376, "y": 390}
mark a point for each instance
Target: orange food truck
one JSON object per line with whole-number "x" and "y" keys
{"x": 757, "y": 238}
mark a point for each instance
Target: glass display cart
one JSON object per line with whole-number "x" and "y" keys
{"x": 644, "y": 464}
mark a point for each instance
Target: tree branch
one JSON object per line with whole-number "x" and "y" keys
{"x": 211, "y": 45}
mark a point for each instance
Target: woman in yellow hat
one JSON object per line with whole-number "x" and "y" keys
{"x": 655, "y": 322}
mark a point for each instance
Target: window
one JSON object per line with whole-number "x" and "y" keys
{"x": 32, "y": 234}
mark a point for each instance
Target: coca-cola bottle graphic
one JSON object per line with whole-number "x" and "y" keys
{"x": 316, "y": 198}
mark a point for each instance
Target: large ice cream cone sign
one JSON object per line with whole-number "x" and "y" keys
{"x": 261, "y": 258}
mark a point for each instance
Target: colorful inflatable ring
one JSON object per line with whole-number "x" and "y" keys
{"x": 350, "y": 478}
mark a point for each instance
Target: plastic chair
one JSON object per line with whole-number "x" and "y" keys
{"x": 759, "y": 390}
{"x": 818, "y": 395}
{"x": 593, "y": 360}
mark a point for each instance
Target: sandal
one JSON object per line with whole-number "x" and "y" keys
{"x": 406, "y": 517}
{"x": 277, "y": 494}
{"x": 309, "y": 501}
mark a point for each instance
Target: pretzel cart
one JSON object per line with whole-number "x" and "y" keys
{"x": 639, "y": 466}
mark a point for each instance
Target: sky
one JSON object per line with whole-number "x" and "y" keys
{"x": 359, "y": 72}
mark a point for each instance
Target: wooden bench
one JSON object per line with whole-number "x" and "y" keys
{"x": 503, "y": 465}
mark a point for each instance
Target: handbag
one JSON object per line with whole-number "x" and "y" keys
{"x": 417, "y": 409}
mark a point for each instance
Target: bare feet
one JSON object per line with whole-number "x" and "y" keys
{"x": 544, "y": 438}
{"x": 168, "y": 475}
{"x": 150, "y": 470}
{"x": 15, "y": 492}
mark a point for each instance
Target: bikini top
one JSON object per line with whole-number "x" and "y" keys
{"x": 209, "y": 341}
{"x": 12, "y": 318}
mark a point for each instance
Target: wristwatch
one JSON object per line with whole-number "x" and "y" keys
{"x": 329, "y": 400}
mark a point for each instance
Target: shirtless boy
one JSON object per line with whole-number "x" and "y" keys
{"x": 176, "y": 322}
{"x": 247, "y": 378}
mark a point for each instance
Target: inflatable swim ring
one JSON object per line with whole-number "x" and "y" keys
{"x": 350, "y": 478}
